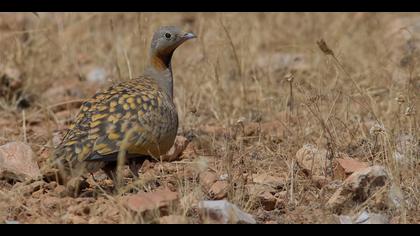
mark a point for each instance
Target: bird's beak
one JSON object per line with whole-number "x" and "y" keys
{"x": 189, "y": 36}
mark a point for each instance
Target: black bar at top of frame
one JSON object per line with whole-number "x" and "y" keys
{"x": 209, "y": 5}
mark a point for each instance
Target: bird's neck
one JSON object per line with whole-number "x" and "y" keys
{"x": 160, "y": 69}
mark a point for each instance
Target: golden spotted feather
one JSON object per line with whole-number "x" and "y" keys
{"x": 135, "y": 116}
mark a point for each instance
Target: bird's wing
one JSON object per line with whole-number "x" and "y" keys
{"x": 120, "y": 117}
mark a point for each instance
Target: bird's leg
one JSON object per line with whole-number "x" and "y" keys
{"x": 93, "y": 177}
{"x": 135, "y": 164}
{"x": 134, "y": 168}
{"x": 110, "y": 170}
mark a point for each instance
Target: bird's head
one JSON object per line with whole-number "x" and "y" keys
{"x": 165, "y": 40}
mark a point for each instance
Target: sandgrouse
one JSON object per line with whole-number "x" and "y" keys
{"x": 133, "y": 120}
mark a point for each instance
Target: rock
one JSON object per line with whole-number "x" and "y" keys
{"x": 371, "y": 218}
{"x": 312, "y": 160}
{"x": 223, "y": 212}
{"x": 176, "y": 150}
{"x": 263, "y": 195}
{"x": 207, "y": 179}
{"x": 17, "y": 161}
{"x": 358, "y": 187}
{"x": 281, "y": 195}
{"x": 219, "y": 190}
{"x": 97, "y": 75}
{"x": 224, "y": 177}
{"x": 273, "y": 181}
{"x": 345, "y": 219}
{"x": 347, "y": 166}
{"x": 364, "y": 218}
{"x": 267, "y": 200}
{"x": 11, "y": 222}
{"x": 28, "y": 189}
{"x": 144, "y": 202}
{"x": 267, "y": 129}
{"x": 173, "y": 219}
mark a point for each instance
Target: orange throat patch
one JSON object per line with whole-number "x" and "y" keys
{"x": 158, "y": 63}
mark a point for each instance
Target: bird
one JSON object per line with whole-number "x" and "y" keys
{"x": 134, "y": 120}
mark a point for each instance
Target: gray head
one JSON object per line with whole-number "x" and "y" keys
{"x": 166, "y": 39}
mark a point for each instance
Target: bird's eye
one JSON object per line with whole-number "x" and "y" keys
{"x": 168, "y": 35}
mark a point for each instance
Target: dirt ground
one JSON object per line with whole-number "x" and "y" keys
{"x": 254, "y": 88}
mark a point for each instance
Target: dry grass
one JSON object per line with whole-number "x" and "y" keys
{"x": 244, "y": 68}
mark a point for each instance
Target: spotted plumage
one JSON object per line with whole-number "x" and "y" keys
{"x": 136, "y": 118}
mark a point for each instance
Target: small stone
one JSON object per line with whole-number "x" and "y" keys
{"x": 268, "y": 201}
{"x": 143, "y": 202}
{"x": 371, "y": 218}
{"x": 223, "y": 212}
{"x": 358, "y": 187}
{"x": 347, "y": 166}
{"x": 273, "y": 181}
{"x": 207, "y": 179}
{"x": 11, "y": 222}
{"x": 281, "y": 195}
{"x": 17, "y": 161}
{"x": 312, "y": 160}
{"x": 28, "y": 189}
{"x": 345, "y": 219}
{"x": 97, "y": 75}
{"x": 219, "y": 190}
{"x": 224, "y": 177}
